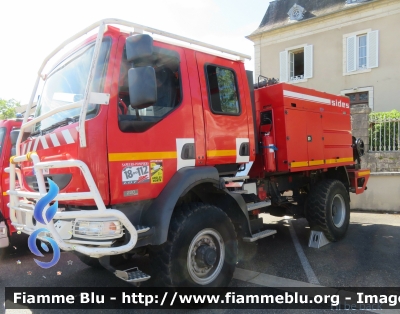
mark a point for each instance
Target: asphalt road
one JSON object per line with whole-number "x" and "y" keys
{"x": 367, "y": 257}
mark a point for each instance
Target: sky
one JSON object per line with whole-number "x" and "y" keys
{"x": 31, "y": 30}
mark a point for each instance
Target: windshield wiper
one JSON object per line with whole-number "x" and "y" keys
{"x": 66, "y": 121}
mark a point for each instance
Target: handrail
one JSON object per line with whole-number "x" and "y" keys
{"x": 101, "y": 24}
{"x": 72, "y": 105}
{"x": 139, "y": 27}
{"x": 42, "y": 117}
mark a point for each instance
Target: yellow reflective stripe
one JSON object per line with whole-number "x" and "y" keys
{"x": 319, "y": 162}
{"x": 364, "y": 173}
{"x": 296, "y": 164}
{"x": 5, "y": 193}
{"x": 334, "y": 161}
{"x": 141, "y": 156}
{"x": 221, "y": 153}
{"x": 316, "y": 162}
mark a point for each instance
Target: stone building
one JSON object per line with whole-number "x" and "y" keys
{"x": 346, "y": 47}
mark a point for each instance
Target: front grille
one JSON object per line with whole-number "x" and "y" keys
{"x": 61, "y": 180}
{"x": 35, "y": 186}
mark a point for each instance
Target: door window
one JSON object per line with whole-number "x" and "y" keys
{"x": 222, "y": 90}
{"x": 166, "y": 64}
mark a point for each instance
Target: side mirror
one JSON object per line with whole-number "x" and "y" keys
{"x": 14, "y": 136}
{"x": 139, "y": 47}
{"x": 142, "y": 87}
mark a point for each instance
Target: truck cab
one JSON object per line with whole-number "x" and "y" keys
{"x": 8, "y": 135}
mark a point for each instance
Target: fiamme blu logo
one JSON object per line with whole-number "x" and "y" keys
{"x": 44, "y": 217}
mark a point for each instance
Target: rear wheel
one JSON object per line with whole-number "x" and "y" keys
{"x": 201, "y": 249}
{"x": 329, "y": 209}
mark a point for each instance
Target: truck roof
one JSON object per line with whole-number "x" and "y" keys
{"x": 162, "y": 36}
{"x": 178, "y": 40}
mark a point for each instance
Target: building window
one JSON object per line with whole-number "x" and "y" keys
{"x": 222, "y": 90}
{"x": 296, "y": 64}
{"x": 358, "y": 98}
{"x": 296, "y": 13}
{"x": 360, "y": 95}
{"x": 361, "y": 51}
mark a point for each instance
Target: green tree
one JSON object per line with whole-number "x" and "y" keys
{"x": 8, "y": 108}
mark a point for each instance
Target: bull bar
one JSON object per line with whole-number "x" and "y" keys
{"x": 21, "y": 210}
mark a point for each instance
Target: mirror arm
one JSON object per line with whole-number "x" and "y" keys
{"x": 137, "y": 115}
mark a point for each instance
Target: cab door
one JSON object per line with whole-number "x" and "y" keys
{"x": 148, "y": 146}
{"x": 225, "y": 110}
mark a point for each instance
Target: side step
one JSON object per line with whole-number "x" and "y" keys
{"x": 239, "y": 192}
{"x": 142, "y": 229}
{"x": 259, "y": 235}
{"x": 231, "y": 179}
{"x": 234, "y": 184}
{"x": 132, "y": 275}
{"x": 258, "y": 205}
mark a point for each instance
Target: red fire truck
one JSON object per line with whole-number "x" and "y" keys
{"x": 162, "y": 146}
{"x": 9, "y": 130}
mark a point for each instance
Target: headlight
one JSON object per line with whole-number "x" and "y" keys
{"x": 109, "y": 229}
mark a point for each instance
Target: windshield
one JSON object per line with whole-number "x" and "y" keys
{"x": 67, "y": 83}
{"x": 2, "y": 134}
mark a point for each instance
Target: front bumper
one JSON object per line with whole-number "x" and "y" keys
{"x": 21, "y": 210}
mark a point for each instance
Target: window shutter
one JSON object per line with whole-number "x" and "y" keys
{"x": 308, "y": 61}
{"x": 291, "y": 66}
{"x": 283, "y": 61}
{"x": 351, "y": 53}
{"x": 372, "y": 49}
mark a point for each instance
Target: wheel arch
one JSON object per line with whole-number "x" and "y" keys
{"x": 188, "y": 184}
{"x": 232, "y": 204}
{"x": 339, "y": 173}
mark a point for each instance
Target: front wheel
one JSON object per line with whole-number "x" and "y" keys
{"x": 329, "y": 209}
{"x": 201, "y": 249}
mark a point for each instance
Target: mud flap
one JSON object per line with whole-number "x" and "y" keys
{"x": 358, "y": 180}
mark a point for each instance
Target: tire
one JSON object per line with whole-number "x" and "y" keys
{"x": 201, "y": 249}
{"x": 329, "y": 209}
{"x": 39, "y": 244}
{"x": 90, "y": 261}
